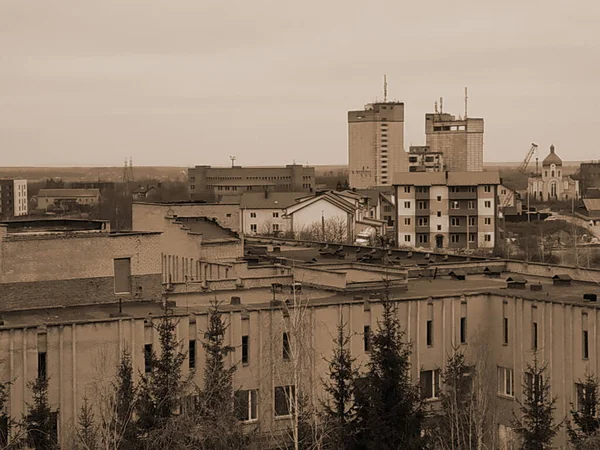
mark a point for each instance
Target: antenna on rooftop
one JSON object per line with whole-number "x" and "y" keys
{"x": 466, "y": 99}
{"x": 441, "y": 105}
{"x": 435, "y": 107}
{"x": 384, "y": 88}
{"x": 232, "y": 158}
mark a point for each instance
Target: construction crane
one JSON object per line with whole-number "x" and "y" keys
{"x": 525, "y": 162}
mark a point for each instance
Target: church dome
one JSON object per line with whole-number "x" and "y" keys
{"x": 552, "y": 158}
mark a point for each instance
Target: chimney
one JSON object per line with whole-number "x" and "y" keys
{"x": 266, "y": 193}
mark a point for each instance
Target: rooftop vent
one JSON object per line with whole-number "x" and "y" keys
{"x": 277, "y": 249}
{"x": 535, "y": 287}
{"x": 516, "y": 282}
{"x": 358, "y": 297}
{"x": 561, "y": 279}
{"x": 409, "y": 255}
{"x": 458, "y": 274}
{"x": 590, "y": 297}
{"x": 236, "y": 301}
{"x": 492, "y": 272}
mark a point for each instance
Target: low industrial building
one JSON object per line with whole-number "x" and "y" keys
{"x": 67, "y": 199}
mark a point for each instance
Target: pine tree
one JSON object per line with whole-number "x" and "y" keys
{"x": 340, "y": 410}
{"x": 536, "y": 427}
{"x": 221, "y": 429}
{"x": 160, "y": 389}
{"x": 390, "y": 413}
{"x": 123, "y": 426}
{"x": 39, "y": 422}
{"x": 456, "y": 427}
{"x": 86, "y": 430}
{"x": 5, "y": 421}
{"x": 586, "y": 422}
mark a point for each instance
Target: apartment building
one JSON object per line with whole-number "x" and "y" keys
{"x": 589, "y": 176}
{"x": 13, "y": 199}
{"x": 422, "y": 159}
{"x": 376, "y": 144}
{"x": 447, "y": 210}
{"x": 221, "y": 183}
{"x": 459, "y": 140}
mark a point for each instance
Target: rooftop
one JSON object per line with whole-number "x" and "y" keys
{"x": 271, "y": 200}
{"x": 69, "y": 193}
{"x": 447, "y": 178}
{"x": 210, "y": 230}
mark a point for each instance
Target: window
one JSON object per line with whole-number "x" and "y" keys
{"x": 423, "y": 238}
{"x": 471, "y": 204}
{"x": 455, "y": 238}
{"x": 439, "y": 198}
{"x": 463, "y": 330}
{"x": 284, "y": 400}
{"x": 487, "y": 204}
{"x": 407, "y": 238}
{"x": 439, "y": 228}
{"x": 430, "y": 384}
{"x": 276, "y": 215}
{"x": 472, "y": 221}
{"x": 582, "y": 396}
{"x": 487, "y": 188}
{"x": 487, "y": 237}
{"x": 472, "y": 238}
{"x": 506, "y": 382}
{"x": 253, "y": 215}
{"x": 503, "y": 191}
{"x": 275, "y": 227}
{"x": 407, "y": 204}
{"x": 253, "y": 227}
{"x": 228, "y": 215}
{"x": 454, "y": 204}
{"x": 439, "y": 214}
{"x": 147, "y": 358}
{"x": 505, "y": 330}
{"x": 42, "y": 365}
{"x": 423, "y": 204}
{"x": 407, "y": 189}
{"x": 454, "y": 221}
{"x": 585, "y": 344}
{"x": 423, "y": 221}
{"x": 487, "y": 220}
{"x": 407, "y": 221}
{"x": 430, "y": 325}
{"x": 245, "y": 349}
{"x": 246, "y": 407}
{"x": 286, "y": 347}
{"x": 367, "y": 338}
{"x": 122, "y": 267}
{"x": 192, "y": 354}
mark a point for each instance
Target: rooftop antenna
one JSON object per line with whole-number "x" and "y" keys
{"x": 232, "y": 158}
{"x": 435, "y": 107}
{"x": 441, "y": 105}
{"x": 384, "y": 88}
{"x": 466, "y": 99}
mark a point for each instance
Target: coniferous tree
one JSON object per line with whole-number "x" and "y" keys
{"x": 456, "y": 427}
{"x": 220, "y": 427}
{"x": 389, "y": 410}
{"x": 536, "y": 426}
{"x": 585, "y": 417}
{"x": 86, "y": 429}
{"x": 5, "y": 421}
{"x": 340, "y": 410}
{"x": 39, "y": 422}
{"x": 123, "y": 426}
{"x": 160, "y": 389}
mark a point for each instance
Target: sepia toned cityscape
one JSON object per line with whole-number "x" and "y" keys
{"x": 407, "y": 289}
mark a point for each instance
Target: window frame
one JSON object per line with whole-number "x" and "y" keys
{"x": 252, "y": 405}
{"x": 289, "y": 392}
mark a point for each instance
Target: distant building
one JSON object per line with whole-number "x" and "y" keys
{"x": 13, "y": 198}
{"x": 459, "y": 140}
{"x": 589, "y": 177}
{"x": 145, "y": 193}
{"x": 589, "y": 210}
{"x": 102, "y": 185}
{"x": 217, "y": 183}
{"x": 551, "y": 183}
{"x": 67, "y": 199}
{"x": 376, "y": 144}
{"x": 264, "y": 213}
{"x": 422, "y": 159}
{"x": 455, "y": 210}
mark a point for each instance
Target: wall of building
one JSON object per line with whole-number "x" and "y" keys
{"x": 486, "y": 229}
{"x": 78, "y": 365}
{"x": 312, "y": 215}
{"x": 264, "y": 221}
{"x": 20, "y": 198}
{"x": 406, "y": 207}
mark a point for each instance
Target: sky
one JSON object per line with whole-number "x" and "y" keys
{"x": 189, "y": 82}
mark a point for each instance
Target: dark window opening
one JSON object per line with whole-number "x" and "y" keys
{"x": 42, "y": 365}
{"x": 192, "y": 355}
{"x": 147, "y": 358}
{"x": 430, "y": 333}
{"x": 245, "y": 349}
{"x": 505, "y": 330}
{"x": 463, "y": 330}
{"x": 367, "y": 338}
{"x": 286, "y": 347}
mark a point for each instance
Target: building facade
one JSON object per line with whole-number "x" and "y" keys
{"x": 459, "y": 140}
{"x": 67, "y": 199}
{"x": 376, "y": 144}
{"x": 552, "y": 184}
{"x": 453, "y": 210}
{"x": 589, "y": 176}
{"x": 13, "y": 199}
{"x": 214, "y": 183}
{"x": 422, "y": 159}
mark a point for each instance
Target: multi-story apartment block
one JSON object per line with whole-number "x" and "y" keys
{"x": 589, "y": 176}
{"x": 13, "y": 199}
{"x": 376, "y": 144}
{"x": 215, "y": 183}
{"x": 422, "y": 159}
{"x": 455, "y": 210}
{"x": 459, "y": 140}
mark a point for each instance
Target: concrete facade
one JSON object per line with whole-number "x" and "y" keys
{"x": 422, "y": 159}
{"x": 459, "y": 140}
{"x": 376, "y": 144}
{"x": 589, "y": 176}
{"x": 13, "y": 199}
{"x": 66, "y": 198}
{"x": 219, "y": 183}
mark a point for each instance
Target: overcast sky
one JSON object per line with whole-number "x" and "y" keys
{"x": 185, "y": 82}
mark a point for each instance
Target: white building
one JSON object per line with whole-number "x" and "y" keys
{"x": 67, "y": 198}
{"x": 264, "y": 212}
{"x": 13, "y": 198}
{"x": 551, "y": 183}
{"x": 20, "y": 197}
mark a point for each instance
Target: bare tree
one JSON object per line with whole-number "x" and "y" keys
{"x": 333, "y": 229}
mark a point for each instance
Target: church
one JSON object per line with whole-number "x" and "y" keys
{"x": 551, "y": 184}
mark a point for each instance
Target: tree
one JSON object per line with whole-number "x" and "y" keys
{"x": 40, "y": 420}
{"x": 160, "y": 389}
{"x": 121, "y": 426}
{"x": 220, "y": 428}
{"x": 5, "y": 421}
{"x": 586, "y": 422}
{"x": 536, "y": 427}
{"x": 86, "y": 430}
{"x": 390, "y": 413}
{"x": 340, "y": 410}
{"x": 456, "y": 425}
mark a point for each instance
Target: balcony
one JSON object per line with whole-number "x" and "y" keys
{"x": 422, "y": 195}
{"x": 462, "y": 195}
